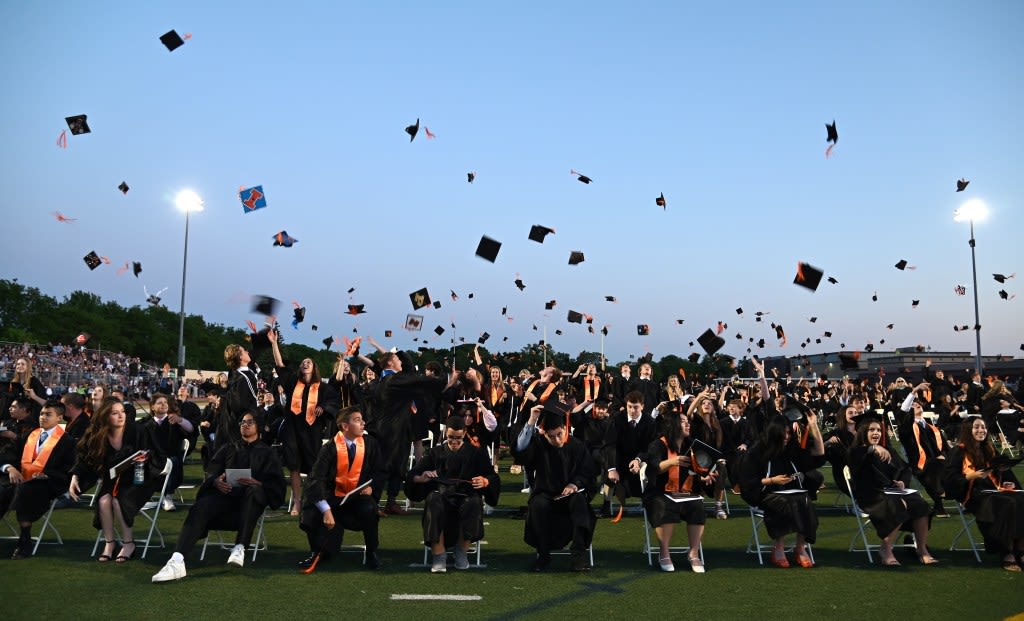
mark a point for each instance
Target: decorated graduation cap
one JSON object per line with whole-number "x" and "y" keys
{"x": 92, "y": 260}
{"x": 172, "y": 40}
{"x": 580, "y": 176}
{"x": 832, "y": 135}
{"x": 488, "y": 248}
{"x": 575, "y": 257}
{"x": 808, "y": 276}
{"x": 252, "y": 198}
{"x": 419, "y": 298}
{"x": 412, "y": 130}
{"x": 643, "y": 329}
{"x": 539, "y": 232}
{"x": 961, "y": 184}
{"x": 710, "y": 341}
{"x": 78, "y": 124}
{"x": 356, "y": 309}
{"x": 414, "y": 322}
{"x": 387, "y": 334}
{"x": 123, "y": 187}
{"x": 284, "y": 240}
{"x": 264, "y": 305}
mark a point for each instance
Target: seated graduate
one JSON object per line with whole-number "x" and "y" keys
{"x": 629, "y": 434}
{"x": 840, "y": 439}
{"x": 232, "y": 505}
{"x": 109, "y": 442}
{"x": 772, "y": 478}
{"x": 455, "y": 478}
{"x": 167, "y": 428}
{"x": 46, "y": 458}
{"x": 925, "y": 449}
{"x": 558, "y": 512}
{"x": 880, "y": 480}
{"x": 984, "y": 483}
{"x": 674, "y": 481}
{"x": 331, "y": 504}
{"x": 590, "y": 423}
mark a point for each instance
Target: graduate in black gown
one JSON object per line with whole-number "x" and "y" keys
{"x": 107, "y": 443}
{"x": 630, "y": 433}
{"x": 240, "y": 395}
{"x": 880, "y": 481}
{"x": 167, "y": 429}
{"x": 590, "y": 423}
{"x": 331, "y": 503}
{"x": 772, "y": 478}
{"x": 674, "y": 488}
{"x": 838, "y": 444}
{"x": 559, "y": 510}
{"x": 221, "y": 505}
{"x": 986, "y": 486}
{"x": 39, "y": 476}
{"x": 454, "y": 478}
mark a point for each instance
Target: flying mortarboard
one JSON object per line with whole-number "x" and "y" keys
{"x": 520, "y": 283}
{"x": 832, "y": 280}
{"x": 808, "y": 276}
{"x": 123, "y": 187}
{"x": 439, "y": 330}
{"x": 284, "y": 240}
{"x": 437, "y": 304}
{"x": 252, "y": 198}
{"x": 813, "y": 319}
{"x": 902, "y": 265}
{"x": 961, "y": 185}
{"x": 328, "y": 342}
{"x": 580, "y": 176}
{"x": 483, "y": 338}
{"x": 610, "y": 298}
{"x": 832, "y": 136}
{"x": 387, "y": 334}
{"x": 298, "y": 315}
{"x": 172, "y": 40}
{"x": 539, "y": 232}
{"x": 999, "y": 278}
{"x": 914, "y": 303}
{"x": 959, "y": 328}
{"x": 412, "y": 130}
{"x": 136, "y": 268}
{"x": 874, "y": 296}
{"x": 604, "y": 330}
{"x": 574, "y": 317}
{"x": 643, "y": 329}
{"x": 660, "y": 201}
{"x": 92, "y": 260}
{"x": 414, "y": 322}
{"x": 739, "y": 311}
{"x": 356, "y": 309}
{"x": 470, "y": 176}
{"x": 710, "y": 341}
{"x": 78, "y": 124}
{"x": 694, "y": 357}
{"x": 575, "y": 257}
{"x": 550, "y": 304}
{"x": 419, "y": 298}
{"x": 488, "y": 248}
{"x": 558, "y": 332}
{"x": 314, "y": 327}
{"x": 264, "y": 305}
{"x": 1005, "y": 295}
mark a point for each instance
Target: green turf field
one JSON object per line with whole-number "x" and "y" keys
{"x": 64, "y": 582}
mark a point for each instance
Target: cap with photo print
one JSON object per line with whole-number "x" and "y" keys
{"x": 419, "y": 298}
{"x": 643, "y": 329}
{"x": 92, "y": 260}
{"x": 78, "y": 124}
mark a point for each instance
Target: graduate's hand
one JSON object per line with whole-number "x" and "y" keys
{"x": 205, "y": 423}
{"x": 318, "y": 411}
{"x": 366, "y": 491}
{"x": 634, "y": 466}
{"x": 423, "y": 477}
{"x": 480, "y": 482}
{"x": 898, "y": 484}
{"x": 328, "y": 520}
{"x": 883, "y": 454}
{"x": 535, "y": 413}
{"x": 73, "y": 489}
{"x": 570, "y": 489}
{"x": 14, "y": 475}
{"x": 272, "y": 336}
{"x": 221, "y": 485}
{"x": 246, "y": 481}
{"x": 613, "y": 476}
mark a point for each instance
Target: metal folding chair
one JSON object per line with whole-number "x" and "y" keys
{"x": 863, "y": 520}
{"x": 259, "y": 540}
{"x": 965, "y": 530}
{"x": 150, "y": 511}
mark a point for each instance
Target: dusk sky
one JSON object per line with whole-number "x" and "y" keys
{"x": 720, "y": 106}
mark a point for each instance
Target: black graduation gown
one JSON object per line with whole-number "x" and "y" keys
{"x": 870, "y": 476}
{"x": 836, "y": 454}
{"x": 660, "y": 509}
{"x": 243, "y": 386}
{"x": 624, "y": 442}
{"x": 445, "y": 501}
{"x": 783, "y": 513}
{"x": 300, "y": 439}
{"x": 31, "y": 499}
{"x": 1000, "y": 516}
{"x": 390, "y": 425}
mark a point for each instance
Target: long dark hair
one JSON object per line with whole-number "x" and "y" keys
{"x": 775, "y": 436}
{"x": 94, "y": 443}
{"x": 981, "y": 453}
{"x": 668, "y": 427}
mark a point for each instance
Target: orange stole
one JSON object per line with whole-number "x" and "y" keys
{"x": 920, "y": 449}
{"x": 497, "y": 392}
{"x": 346, "y": 478}
{"x": 31, "y": 464}
{"x": 969, "y": 465}
{"x": 547, "y": 391}
{"x": 673, "y": 473}
{"x": 311, "y": 401}
{"x": 591, "y": 388}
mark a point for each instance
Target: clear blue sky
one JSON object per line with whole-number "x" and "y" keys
{"x": 721, "y": 106}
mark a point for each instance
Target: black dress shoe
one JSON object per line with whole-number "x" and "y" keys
{"x": 306, "y": 563}
{"x": 21, "y": 553}
{"x": 541, "y": 563}
{"x": 578, "y": 561}
{"x": 372, "y": 561}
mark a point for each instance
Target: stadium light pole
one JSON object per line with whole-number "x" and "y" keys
{"x": 187, "y": 201}
{"x": 971, "y": 211}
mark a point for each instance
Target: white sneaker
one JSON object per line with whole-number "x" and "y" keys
{"x": 173, "y": 570}
{"x": 461, "y": 559}
{"x": 237, "y": 557}
{"x": 488, "y": 509}
{"x": 168, "y": 504}
{"x": 525, "y": 490}
{"x": 440, "y": 564}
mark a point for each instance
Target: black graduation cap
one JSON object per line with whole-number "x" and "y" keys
{"x": 356, "y": 309}
{"x": 419, "y": 298}
{"x": 705, "y": 454}
{"x": 92, "y": 260}
{"x": 604, "y": 330}
{"x": 437, "y": 303}
{"x": 470, "y": 176}
{"x": 1003, "y": 294}
{"x": 488, "y": 248}
{"x": 739, "y": 311}
{"x": 539, "y": 232}
{"x": 780, "y": 333}
{"x": 550, "y": 304}
{"x": 123, "y": 187}
{"x": 760, "y": 343}
{"x": 890, "y": 326}
{"x": 959, "y": 328}
{"x": 412, "y": 130}
{"x": 172, "y": 40}
{"x": 439, "y": 330}
{"x": 694, "y": 357}
{"x": 999, "y": 278}
{"x": 710, "y": 341}
{"x": 660, "y": 201}
{"x": 867, "y": 417}
{"x": 483, "y": 338}
{"x": 814, "y": 319}
{"x": 817, "y": 341}
{"x": 351, "y": 289}
{"x": 298, "y": 315}
{"x": 504, "y": 311}
{"x": 902, "y": 265}
{"x": 832, "y": 280}
{"x": 869, "y": 347}
{"x": 575, "y": 257}
{"x": 520, "y": 284}
{"x": 470, "y": 296}
{"x": 314, "y": 327}
{"x": 581, "y": 177}
{"x": 739, "y": 336}
{"x": 264, "y": 305}
{"x": 961, "y": 185}
{"x": 328, "y": 341}
{"x": 78, "y": 124}
{"x": 680, "y": 322}
{"x": 833, "y": 133}
{"x": 914, "y": 303}
{"x": 808, "y": 276}
{"x": 558, "y": 332}
{"x": 136, "y": 268}
{"x": 828, "y": 334}
{"x": 643, "y": 329}
{"x": 610, "y": 298}
{"x": 574, "y": 317}
{"x": 554, "y": 415}
{"x": 387, "y": 334}
{"x": 874, "y": 296}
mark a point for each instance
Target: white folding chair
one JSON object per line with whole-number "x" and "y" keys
{"x": 650, "y": 549}
{"x": 150, "y": 511}
{"x": 185, "y": 444}
{"x": 754, "y": 545}
{"x": 965, "y": 530}
{"x": 258, "y": 544}
{"x": 473, "y": 552}
{"x": 46, "y": 524}
{"x": 863, "y": 520}
{"x": 1005, "y": 446}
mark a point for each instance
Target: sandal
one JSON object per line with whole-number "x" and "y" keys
{"x": 927, "y": 559}
{"x": 121, "y": 558}
{"x": 106, "y": 558}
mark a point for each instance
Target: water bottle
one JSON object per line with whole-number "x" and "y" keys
{"x": 140, "y": 473}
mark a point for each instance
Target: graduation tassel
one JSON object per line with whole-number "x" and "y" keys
{"x": 62, "y": 140}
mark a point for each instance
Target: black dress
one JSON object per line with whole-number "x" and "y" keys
{"x": 870, "y": 476}
{"x": 787, "y": 508}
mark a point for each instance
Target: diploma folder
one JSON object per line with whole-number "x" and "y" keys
{"x": 344, "y": 498}
{"x": 680, "y": 497}
{"x": 121, "y": 467}
{"x": 895, "y": 491}
{"x": 233, "y": 474}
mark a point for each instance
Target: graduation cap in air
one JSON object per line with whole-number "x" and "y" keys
{"x": 827, "y": 334}
{"x": 356, "y": 309}
{"x": 437, "y": 304}
{"x": 387, "y": 334}
{"x": 694, "y": 357}
{"x": 961, "y": 184}
{"x": 351, "y": 290}
{"x": 604, "y": 330}
{"x": 832, "y": 280}
{"x": 1005, "y": 295}
{"x": 914, "y": 303}
{"x": 959, "y": 328}
{"x": 298, "y": 315}
{"x": 575, "y": 257}
{"x": 869, "y": 347}
{"x": 264, "y": 305}
{"x": 483, "y": 338}
{"x": 252, "y": 198}
{"x": 520, "y": 283}
{"x": 92, "y": 260}
{"x": 874, "y": 296}
{"x": 314, "y": 327}
{"x": 643, "y": 329}
{"x": 999, "y": 278}
{"x": 284, "y": 240}
{"x": 739, "y": 311}
{"x": 760, "y": 343}
{"x": 550, "y": 304}
{"x": 890, "y": 326}
{"x": 832, "y": 136}
{"x": 470, "y": 176}
{"x": 414, "y": 322}
{"x": 123, "y": 187}
{"x": 412, "y": 130}
{"x": 328, "y": 342}
{"x": 580, "y": 176}
{"x": 154, "y": 298}
{"x": 172, "y": 40}
{"x": 710, "y": 341}
{"x": 610, "y": 298}
{"x": 558, "y": 332}
{"x": 574, "y": 317}
{"x": 902, "y": 265}
{"x": 136, "y": 268}
{"x": 539, "y": 232}
{"x": 680, "y": 322}
{"x": 78, "y": 124}
{"x": 488, "y": 248}
{"x": 808, "y": 276}
{"x": 439, "y": 330}
{"x": 419, "y": 298}
{"x": 813, "y": 319}
{"x": 660, "y": 201}
{"x": 781, "y": 335}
